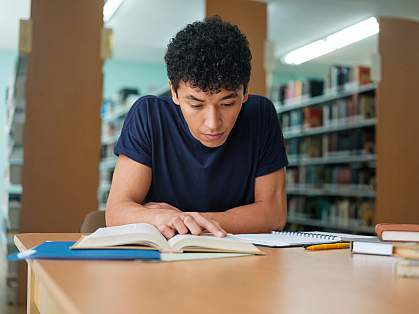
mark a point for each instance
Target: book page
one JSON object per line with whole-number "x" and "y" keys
{"x": 140, "y": 233}
{"x": 172, "y": 257}
{"x": 210, "y": 243}
{"x": 125, "y": 229}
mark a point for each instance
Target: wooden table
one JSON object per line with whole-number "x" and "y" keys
{"x": 288, "y": 280}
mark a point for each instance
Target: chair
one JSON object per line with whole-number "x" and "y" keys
{"x": 93, "y": 221}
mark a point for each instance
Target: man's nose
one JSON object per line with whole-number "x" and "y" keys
{"x": 213, "y": 119}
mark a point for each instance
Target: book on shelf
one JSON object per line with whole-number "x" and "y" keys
{"x": 363, "y": 75}
{"x": 144, "y": 236}
{"x": 340, "y": 75}
{"x": 298, "y": 90}
{"x": 398, "y": 232}
{"x": 341, "y": 211}
{"x": 313, "y": 117}
{"x": 339, "y": 112}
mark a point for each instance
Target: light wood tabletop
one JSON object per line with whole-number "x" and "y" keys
{"x": 287, "y": 280}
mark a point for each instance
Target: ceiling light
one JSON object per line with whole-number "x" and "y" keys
{"x": 109, "y": 9}
{"x": 308, "y": 52}
{"x": 332, "y": 42}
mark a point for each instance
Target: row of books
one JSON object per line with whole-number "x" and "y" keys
{"x": 339, "y": 76}
{"x": 319, "y": 176}
{"x": 299, "y": 89}
{"x": 361, "y": 106}
{"x": 332, "y": 211}
{"x": 358, "y": 140}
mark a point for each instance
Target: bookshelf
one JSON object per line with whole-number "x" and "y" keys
{"x": 329, "y": 132}
{"x": 337, "y": 125}
{"x": 329, "y": 95}
{"x": 113, "y": 116}
{"x": 15, "y": 120}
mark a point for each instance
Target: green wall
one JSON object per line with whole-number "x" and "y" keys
{"x": 146, "y": 77}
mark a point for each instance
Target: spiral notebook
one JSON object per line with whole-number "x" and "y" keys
{"x": 289, "y": 239}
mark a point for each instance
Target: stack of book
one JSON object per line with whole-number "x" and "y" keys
{"x": 405, "y": 238}
{"x": 400, "y": 240}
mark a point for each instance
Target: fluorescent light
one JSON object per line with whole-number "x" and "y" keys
{"x": 354, "y": 33}
{"x": 109, "y": 9}
{"x": 308, "y": 52}
{"x": 332, "y": 42}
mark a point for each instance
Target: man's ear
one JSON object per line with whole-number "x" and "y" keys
{"x": 174, "y": 93}
{"x": 245, "y": 96}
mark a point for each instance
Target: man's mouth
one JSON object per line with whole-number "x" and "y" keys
{"x": 213, "y": 136}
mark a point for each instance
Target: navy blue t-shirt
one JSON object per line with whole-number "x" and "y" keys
{"x": 191, "y": 176}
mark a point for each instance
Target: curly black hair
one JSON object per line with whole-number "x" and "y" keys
{"x": 210, "y": 55}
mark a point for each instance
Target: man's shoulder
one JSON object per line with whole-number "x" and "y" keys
{"x": 152, "y": 106}
{"x": 258, "y": 105}
{"x": 151, "y": 100}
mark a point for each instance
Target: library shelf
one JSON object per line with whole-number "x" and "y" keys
{"x": 15, "y": 189}
{"x": 334, "y": 126}
{"x": 353, "y": 226}
{"x": 344, "y": 190}
{"x": 322, "y": 99}
{"x": 339, "y": 159}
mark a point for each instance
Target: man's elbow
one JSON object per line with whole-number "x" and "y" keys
{"x": 109, "y": 216}
{"x": 280, "y": 219}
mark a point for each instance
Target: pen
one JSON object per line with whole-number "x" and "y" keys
{"x": 328, "y": 246}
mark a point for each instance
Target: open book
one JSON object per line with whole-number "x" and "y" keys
{"x": 144, "y": 235}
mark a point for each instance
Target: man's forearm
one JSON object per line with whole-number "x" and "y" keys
{"x": 252, "y": 218}
{"x": 127, "y": 213}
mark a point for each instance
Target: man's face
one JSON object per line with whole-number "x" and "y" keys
{"x": 210, "y": 117}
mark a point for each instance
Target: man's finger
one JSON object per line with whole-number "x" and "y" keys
{"x": 192, "y": 225}
{"x": 180, "y": 226}
{"x": 167, "y": 231}
{"x": 210, "y": 225}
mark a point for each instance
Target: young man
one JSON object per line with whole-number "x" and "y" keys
{"x": 211, "y": 157}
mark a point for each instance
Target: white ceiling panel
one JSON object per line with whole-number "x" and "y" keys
{"x": 143, "y": 28}
{"x": 11, "y": 11}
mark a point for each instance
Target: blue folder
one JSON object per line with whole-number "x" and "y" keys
{"x": 62, "y": 251}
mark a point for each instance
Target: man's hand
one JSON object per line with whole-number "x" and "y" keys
{"x": 170, "y": 221}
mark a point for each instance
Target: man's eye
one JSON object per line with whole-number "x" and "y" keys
{"x": 196, "y": 106}
{"x": 229, "y": 104}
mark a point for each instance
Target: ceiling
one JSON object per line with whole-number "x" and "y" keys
{"x": 142, "y": 28}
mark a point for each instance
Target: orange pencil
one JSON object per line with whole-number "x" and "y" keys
{"x": 328, "y": 246}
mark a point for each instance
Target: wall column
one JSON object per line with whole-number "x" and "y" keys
{"x": 251, "y": 17}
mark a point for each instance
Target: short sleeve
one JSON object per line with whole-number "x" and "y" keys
{"x": 272, "y": 155}
{"x": 135, "y": 139}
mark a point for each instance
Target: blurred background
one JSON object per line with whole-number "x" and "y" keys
{"x": 343, "y": 76}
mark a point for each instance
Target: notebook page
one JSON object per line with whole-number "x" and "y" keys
{"x": 286, "y": 239}
{"x": 344, "y": 236}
